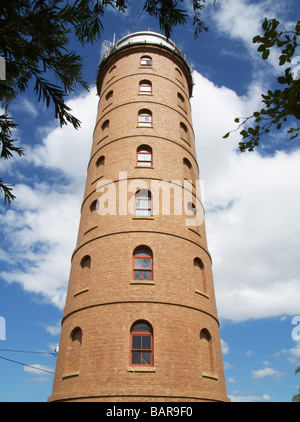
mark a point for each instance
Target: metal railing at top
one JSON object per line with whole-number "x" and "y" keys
{"x": 109, "y": 47}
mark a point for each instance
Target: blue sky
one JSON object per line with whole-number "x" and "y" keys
{"x": 252, "y": 204}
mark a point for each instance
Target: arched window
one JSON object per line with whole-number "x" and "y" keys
{"x": 206, "y": 348}
{"x": 146, "y": 61}
{"x": 99, "y": 169}
{"x": 200, "y": 277}
{"x": 144, "y": 156}
{"x": 83, "y": 277}
{"x": 145, "y": 118}
{"x": 111, "y": 70}
{"x": 74, "y": 349}
{"x": 100, "y": 162}
{"x": 109, "y": 95}
{"x": 187, "y": 169}
{"x": 184, "y": 133}
{"x": 76, "y": 335}
{"x": 86, "y": 262}
{"x": 93, "y": 206}
{"x": 141, "y": 344}
{"x": 178, "y": 74}
{"x": 105, "y": 125}
{"x": 145, "y": 87}
{"x": 143, "y": 203}
{"x": 181, "y": 101}
{"x": 191, "y": 208}
{"x": 142, "y": 264}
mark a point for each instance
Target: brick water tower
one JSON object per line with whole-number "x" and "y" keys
{"x": 140, "y": 321}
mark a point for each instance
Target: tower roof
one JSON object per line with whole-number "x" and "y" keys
{"x": 139, "y": 38}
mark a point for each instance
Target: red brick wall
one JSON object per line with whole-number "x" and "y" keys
{"x": 104, "y": 300}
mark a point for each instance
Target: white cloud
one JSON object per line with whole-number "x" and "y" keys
{"x": 294, "y": 354}
{"x": 40, "y": 231}
{"x": 23, "y": 105}
{"x": 225, "y": 347}
{"x": 266, "y": 372}
{"x": 41, "y": 226}
{"x": 249, "y": 398}
{"x": 67, "y": 149}
{"x": 42, "y": 372}
{"x": 241, "y": 20}
{"x": 227, "y": 366}
{"x": 252, "y": 207}
{"x": 54, "y": 330}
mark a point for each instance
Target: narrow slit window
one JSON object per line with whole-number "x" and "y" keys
{"x": 105, "y": 125}
{"x": 74, "y": 350}
{"x": 187, "y": 169}
{"x": 207, "y": 352}
{"x": 109, "y": 95}
{"x": 100, "y": 162}
{"x": 181, "y": 101}
{"x": 86, "y": 262}
{"x": 199, "y": 272}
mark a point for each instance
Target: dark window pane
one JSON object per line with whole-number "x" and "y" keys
{"x": 136, "y": 342}
{"x": 141, "y": 326}
{"x": 146, "y": 358}
{"x": 142, "y": 252}
{"x": 136, "y": 358}
{"x": 146, "y": 342}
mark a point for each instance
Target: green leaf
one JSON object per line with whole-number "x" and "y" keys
{"x": 282, "y": 80}
{"x": 282, "y": 59}
{"x": 261, "y": 48}
{"x": 256, "y": 39}
{"x": 6, "y": 190}
{"x": 265, "y": 24}
{"x": 244, "y": 134}
{"x": 266, "y": 54}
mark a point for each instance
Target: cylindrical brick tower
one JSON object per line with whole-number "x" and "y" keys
{"x": 140, "y": 321}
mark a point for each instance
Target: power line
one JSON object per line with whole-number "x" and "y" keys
{"x": 28, "y": 351}
{"x": 24, "y": 364}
